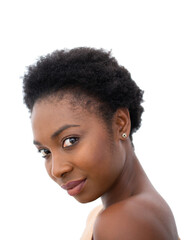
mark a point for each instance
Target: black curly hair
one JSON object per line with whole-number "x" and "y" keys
{"x": 85, "y": 72}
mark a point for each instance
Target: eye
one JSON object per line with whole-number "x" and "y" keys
{"x": 68, "y": 142}
{"x": 44, "y": 152}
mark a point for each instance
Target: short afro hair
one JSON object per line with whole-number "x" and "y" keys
{"x": 92, "y": 72}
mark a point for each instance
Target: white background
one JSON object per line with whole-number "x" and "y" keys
{"x": 153, "y": 39}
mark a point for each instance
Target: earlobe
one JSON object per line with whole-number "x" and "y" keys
{"x": 123, "y": 123}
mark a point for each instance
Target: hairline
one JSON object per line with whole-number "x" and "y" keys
{"x": 71, "y": 95}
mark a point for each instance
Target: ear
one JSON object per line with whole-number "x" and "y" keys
{"x": 122, "y": 123}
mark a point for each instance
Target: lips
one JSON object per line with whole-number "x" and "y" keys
{"x": 75, "y": 187}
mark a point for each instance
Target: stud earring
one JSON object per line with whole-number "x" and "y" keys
{"x": 124, "y": 135}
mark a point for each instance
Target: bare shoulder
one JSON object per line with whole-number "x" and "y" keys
{"x": 139, "y": 218}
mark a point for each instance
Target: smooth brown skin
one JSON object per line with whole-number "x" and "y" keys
{"x": 133, "y": 210}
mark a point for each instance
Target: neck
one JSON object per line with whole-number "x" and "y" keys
{"x": 130, "y": 182}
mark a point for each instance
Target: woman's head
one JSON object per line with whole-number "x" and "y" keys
{"x": 94, "y": 79}
{"x": 81, "y": 102}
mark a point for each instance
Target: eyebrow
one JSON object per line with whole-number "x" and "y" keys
{"x": 57, "y": 132}
{"x": 36, "y": 142}
{"x": 61, "y": 129}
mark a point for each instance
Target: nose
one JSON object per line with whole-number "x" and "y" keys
{"x": 60, "y": 167}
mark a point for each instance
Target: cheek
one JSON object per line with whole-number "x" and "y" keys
{"x": 102, "y": 167}
{"x": 101, "y": 161}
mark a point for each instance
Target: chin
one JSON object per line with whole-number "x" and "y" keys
{"x": 85, "y": 199}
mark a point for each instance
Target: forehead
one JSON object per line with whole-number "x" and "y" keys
{"x": 49, "y": 109}
{"x": 49, "y": 114}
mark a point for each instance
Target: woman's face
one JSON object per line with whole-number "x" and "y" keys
{"x": 80, "y": 155}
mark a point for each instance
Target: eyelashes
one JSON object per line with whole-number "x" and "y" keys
{"x": 44, "y": 152}
{"x": 70, "y": 141}
{"x": 67, "y": 143}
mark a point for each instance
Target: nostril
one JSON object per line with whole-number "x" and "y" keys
{"x": 63, "y": 174}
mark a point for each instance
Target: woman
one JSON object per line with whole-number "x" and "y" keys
{"x": 84, "y": 109}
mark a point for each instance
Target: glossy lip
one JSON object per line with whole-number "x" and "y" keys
{"x": 74, "y": 187}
